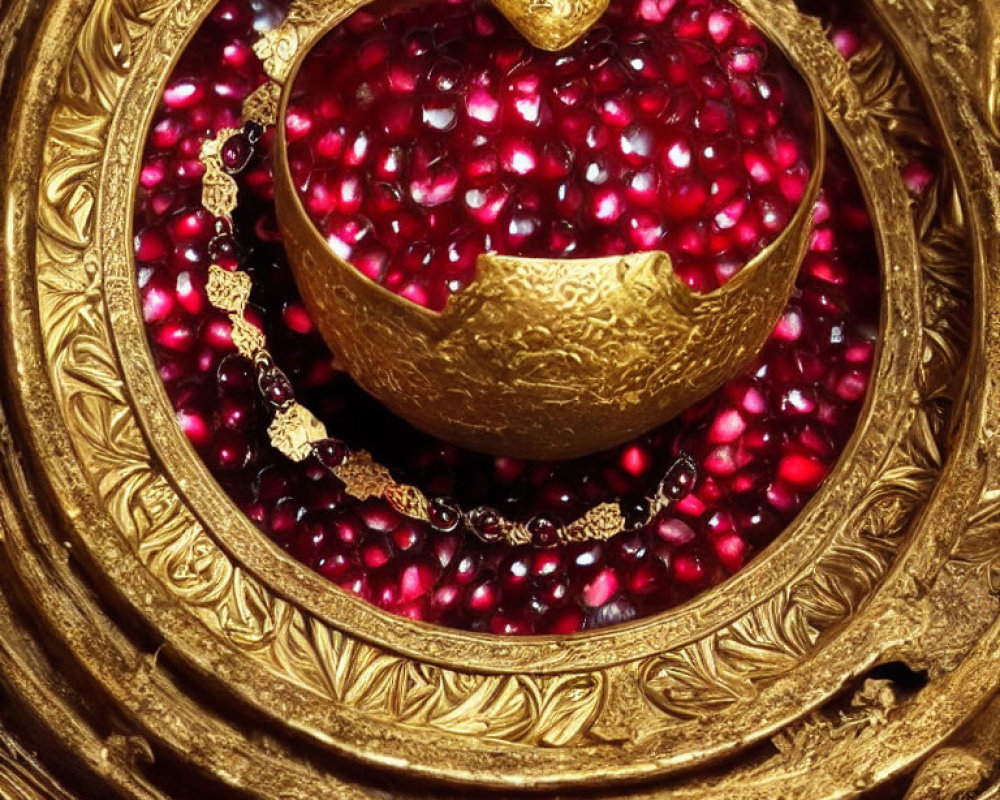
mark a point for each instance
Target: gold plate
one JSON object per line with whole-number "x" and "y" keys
{"x": 153, "y": 643}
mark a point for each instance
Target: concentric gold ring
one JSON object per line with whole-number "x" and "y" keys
{"x": 118, "y": 526}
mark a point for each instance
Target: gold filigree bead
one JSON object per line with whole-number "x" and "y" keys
{"x": 218, "y": 189}
{"x": 261, "y": 106}
{"x": 363, "y": 477}
{"x": 247, "y": 337}
{"x": 599, "y": 524}
{"x": 228, "y": 290}
{"x": 407, "y": 500}
{"x": 293, "y": 431}
{"x": 218, "y": 193}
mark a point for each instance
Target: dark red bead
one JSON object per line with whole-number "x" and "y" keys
{"x": 223, "y": 247}
{"x": 635, "y": 511}
{"x": 544, "y": 531}
{"x": 236, "y": 152}
{"x": 253, "y": 131}
{"x": 330, "y": 453}
{"x": 680, "y": 479}
{"x": 444, "y": 514}
{"x": 276, "y": 387}
{"x": 485, "y": 523}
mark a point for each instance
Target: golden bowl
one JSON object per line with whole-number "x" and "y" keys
{"x": 542, "y": 358}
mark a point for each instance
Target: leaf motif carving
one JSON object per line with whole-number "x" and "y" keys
{"x": 555, "y": 712}
{"x": 979, "y": 547}
{"x": 570, "y": 704}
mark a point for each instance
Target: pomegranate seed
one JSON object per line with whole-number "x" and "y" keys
{"x": 483, "y": 597}
{"x": 276, "y": 388}
{"x": 674, "y": 531}
{"x": 195, "y": 427}
{"x": 688, "y": 569}
{"x": 601, "y": 589}
{"x": 183, "y": 94}
{"x": 417, "y": 580}
{"x": 636, "y": 460}
{"x": 731, "y": 550}
{"x": 727, "y": 427}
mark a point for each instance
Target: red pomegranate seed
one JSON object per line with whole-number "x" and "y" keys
{"x": 674, "y": 532}
{"x": 727, "y": 427}
{"x": 157, "y": 303}
{"x": 376, "y": 553}
{"x": 601, "y": 589}
{"x": 731, "y": 550}
{"x": 688, "y": 568}
{"x": 355, "y": 583}
{"x": 446, "y": 597}
{"x": 195, "y": 427}
{"x": 416, "y": 581}
{"x": 508, "y": 626}
{"x": 803, "y": 471}
{"x": 183, "y": 94}
{"x": 483, "y": 597}
{"x": 567, "y": 620}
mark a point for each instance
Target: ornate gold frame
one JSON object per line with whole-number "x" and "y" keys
{"x": 145, "y": 624}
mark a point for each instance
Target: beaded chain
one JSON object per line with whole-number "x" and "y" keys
{"x": 298, "y": 434}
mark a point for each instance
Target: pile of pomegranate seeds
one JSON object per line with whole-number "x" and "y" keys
{"x": 421, "y": 139}
{"x": 763, "y": 443}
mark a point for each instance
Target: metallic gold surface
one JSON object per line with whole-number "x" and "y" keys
{"x": 552, "y": 24}
{"x": 153, "y": 644}
{"x": 536, "y": 358}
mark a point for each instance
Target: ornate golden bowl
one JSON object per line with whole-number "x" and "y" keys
{"x": 153, "y": 644}
{"x": 538, "y": 358}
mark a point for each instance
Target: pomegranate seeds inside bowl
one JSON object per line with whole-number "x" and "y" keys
{"x": 419, "y": 139}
